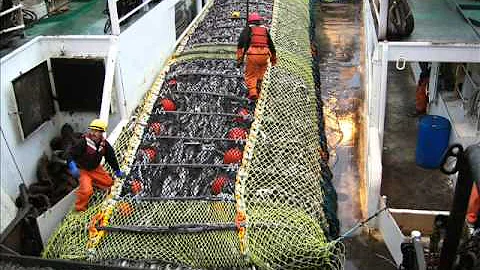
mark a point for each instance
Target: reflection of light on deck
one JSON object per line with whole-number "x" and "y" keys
{"x": 347, "y": 126}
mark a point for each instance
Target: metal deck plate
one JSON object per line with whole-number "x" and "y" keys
{"x": 439, "y": 21}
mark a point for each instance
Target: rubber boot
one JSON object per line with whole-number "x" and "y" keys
{"x": 259, "y": 86}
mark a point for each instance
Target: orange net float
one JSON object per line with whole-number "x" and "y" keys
{"x": 218, "y": 184}
{"x": 168, "y": 105}
{"x": 125, "y": 209}
{"x": 237, "y": 134}
{"x": 150, "y": 153}
{"x": 136, "y": 186}
{"x": 156, "y": 128}
{"x": 233, "y": 155}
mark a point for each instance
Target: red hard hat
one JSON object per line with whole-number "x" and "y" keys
{"x": 168, "y": 105}
{"x": 218, "y": 184}
{"x": 233, "y": 155}
{"x": 237, "y": 134}
{"x": 254, "y": 17}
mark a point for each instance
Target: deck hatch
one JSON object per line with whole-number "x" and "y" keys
{"x": 78, "y": 83}
{"x": 33, "y": 95}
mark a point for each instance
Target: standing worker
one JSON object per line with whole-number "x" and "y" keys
{"x": 256, "y": 43}
{"x": 88, "y": 154}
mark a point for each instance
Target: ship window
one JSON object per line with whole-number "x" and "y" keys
{"x": 78, "y": 83}
{"x": 182, "y": 18}
{"x": 33, "y": 95}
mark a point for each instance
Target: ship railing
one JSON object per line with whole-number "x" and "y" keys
{"x": 18, "y": 19}
{"x": 115, "y": 20}
{"x": 380, "y": 11}
{"x": 470, "y": 99}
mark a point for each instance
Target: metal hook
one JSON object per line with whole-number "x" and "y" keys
{"x": 62, "y": 49}
{"x": 401, "y": 63}
{"x": 449, "y": 164}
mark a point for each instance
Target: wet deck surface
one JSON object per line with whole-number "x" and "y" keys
{"x": 338, "y": 32}
{"x": 78, "y": 18}
{"x": 439, "y": 21}
{"x": 405, "y": 184}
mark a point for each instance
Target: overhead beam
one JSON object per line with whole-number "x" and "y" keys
{"x": 432, "y": 52}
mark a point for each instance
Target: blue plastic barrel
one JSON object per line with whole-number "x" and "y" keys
{"x": 432, "y": 140}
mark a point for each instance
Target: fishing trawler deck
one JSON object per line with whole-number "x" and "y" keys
{"x": 442, "y": 22}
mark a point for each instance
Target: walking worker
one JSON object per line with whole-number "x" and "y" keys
{"x": 256, "y": 43}
{"x": 473, "y": 210}
{"x": 88, "y": 154}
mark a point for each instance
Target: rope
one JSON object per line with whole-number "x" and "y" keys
{"x": 13, "y": 157}
{"x": 359, "y": 224}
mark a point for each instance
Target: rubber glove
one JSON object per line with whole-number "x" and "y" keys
{"x": 73, "y": 168}
{"x": 119, "y": 174}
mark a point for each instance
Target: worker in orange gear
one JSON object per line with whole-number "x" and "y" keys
{"x": 473, "y": 209}
{"x": 421, "y": 97}
{"x": 256, "y": 43}
{"x": 88, "y": 154}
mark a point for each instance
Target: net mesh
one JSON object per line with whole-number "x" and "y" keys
{"x": 197, "y": 195}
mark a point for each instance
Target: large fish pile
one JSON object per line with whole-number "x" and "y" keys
{"x": 199, "y": 118}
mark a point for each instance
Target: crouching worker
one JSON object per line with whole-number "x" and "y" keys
{"x": 84, "y": 163}
{"x": 256, "y": 43}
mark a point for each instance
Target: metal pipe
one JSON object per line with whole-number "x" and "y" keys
{"x": 210, "y": 74}
{"x": 10, "y": 10}
{"x": 115, "y": 24}
{"x": 199, "y": 6}
{"x": 248, "y": 4}
{"x": 432, "y": 84}
{"x": 122, "y": 102}
{"x": 419, "y": 253}
{"x": 426, "y": 51}
{"x": 382, "y": 101}
{"x": 158, "y": 111}
{"x": 3, "y": 31}
{"x": 197, "y": 198}
{"x": 195, "y": 138}
{"x": 212, "y": 94}
{"x": 191, "y": 165}
{"x": 182, "y": 228}
{"x": 382, "y": 24}
{"x": 108, "y": 83}
{"x": 133, "y": 11}
{"x": 468, "y": 164}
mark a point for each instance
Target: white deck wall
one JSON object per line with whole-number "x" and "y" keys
{"x": 143, "y": 49}
{"x": 378, "y": 54}
{"x": 24, "y": 153}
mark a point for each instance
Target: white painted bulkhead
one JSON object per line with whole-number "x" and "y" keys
{"x": 142, "y": 50}
{"x": 19, "y": 156}
{"x": 377, "y": 55}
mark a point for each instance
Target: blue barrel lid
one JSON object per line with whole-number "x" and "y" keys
{"x": 435, "y": 121}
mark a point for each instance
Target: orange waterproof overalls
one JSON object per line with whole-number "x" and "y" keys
{"x": 98, "y": 176}
{"x": 473, "y": 205}
{"x": 421, "y": 98}
{"x": 258, "y": 54}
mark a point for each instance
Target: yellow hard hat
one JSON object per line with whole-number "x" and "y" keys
{"x": 98, "y": 124}
{"x": 236, "y": 14}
